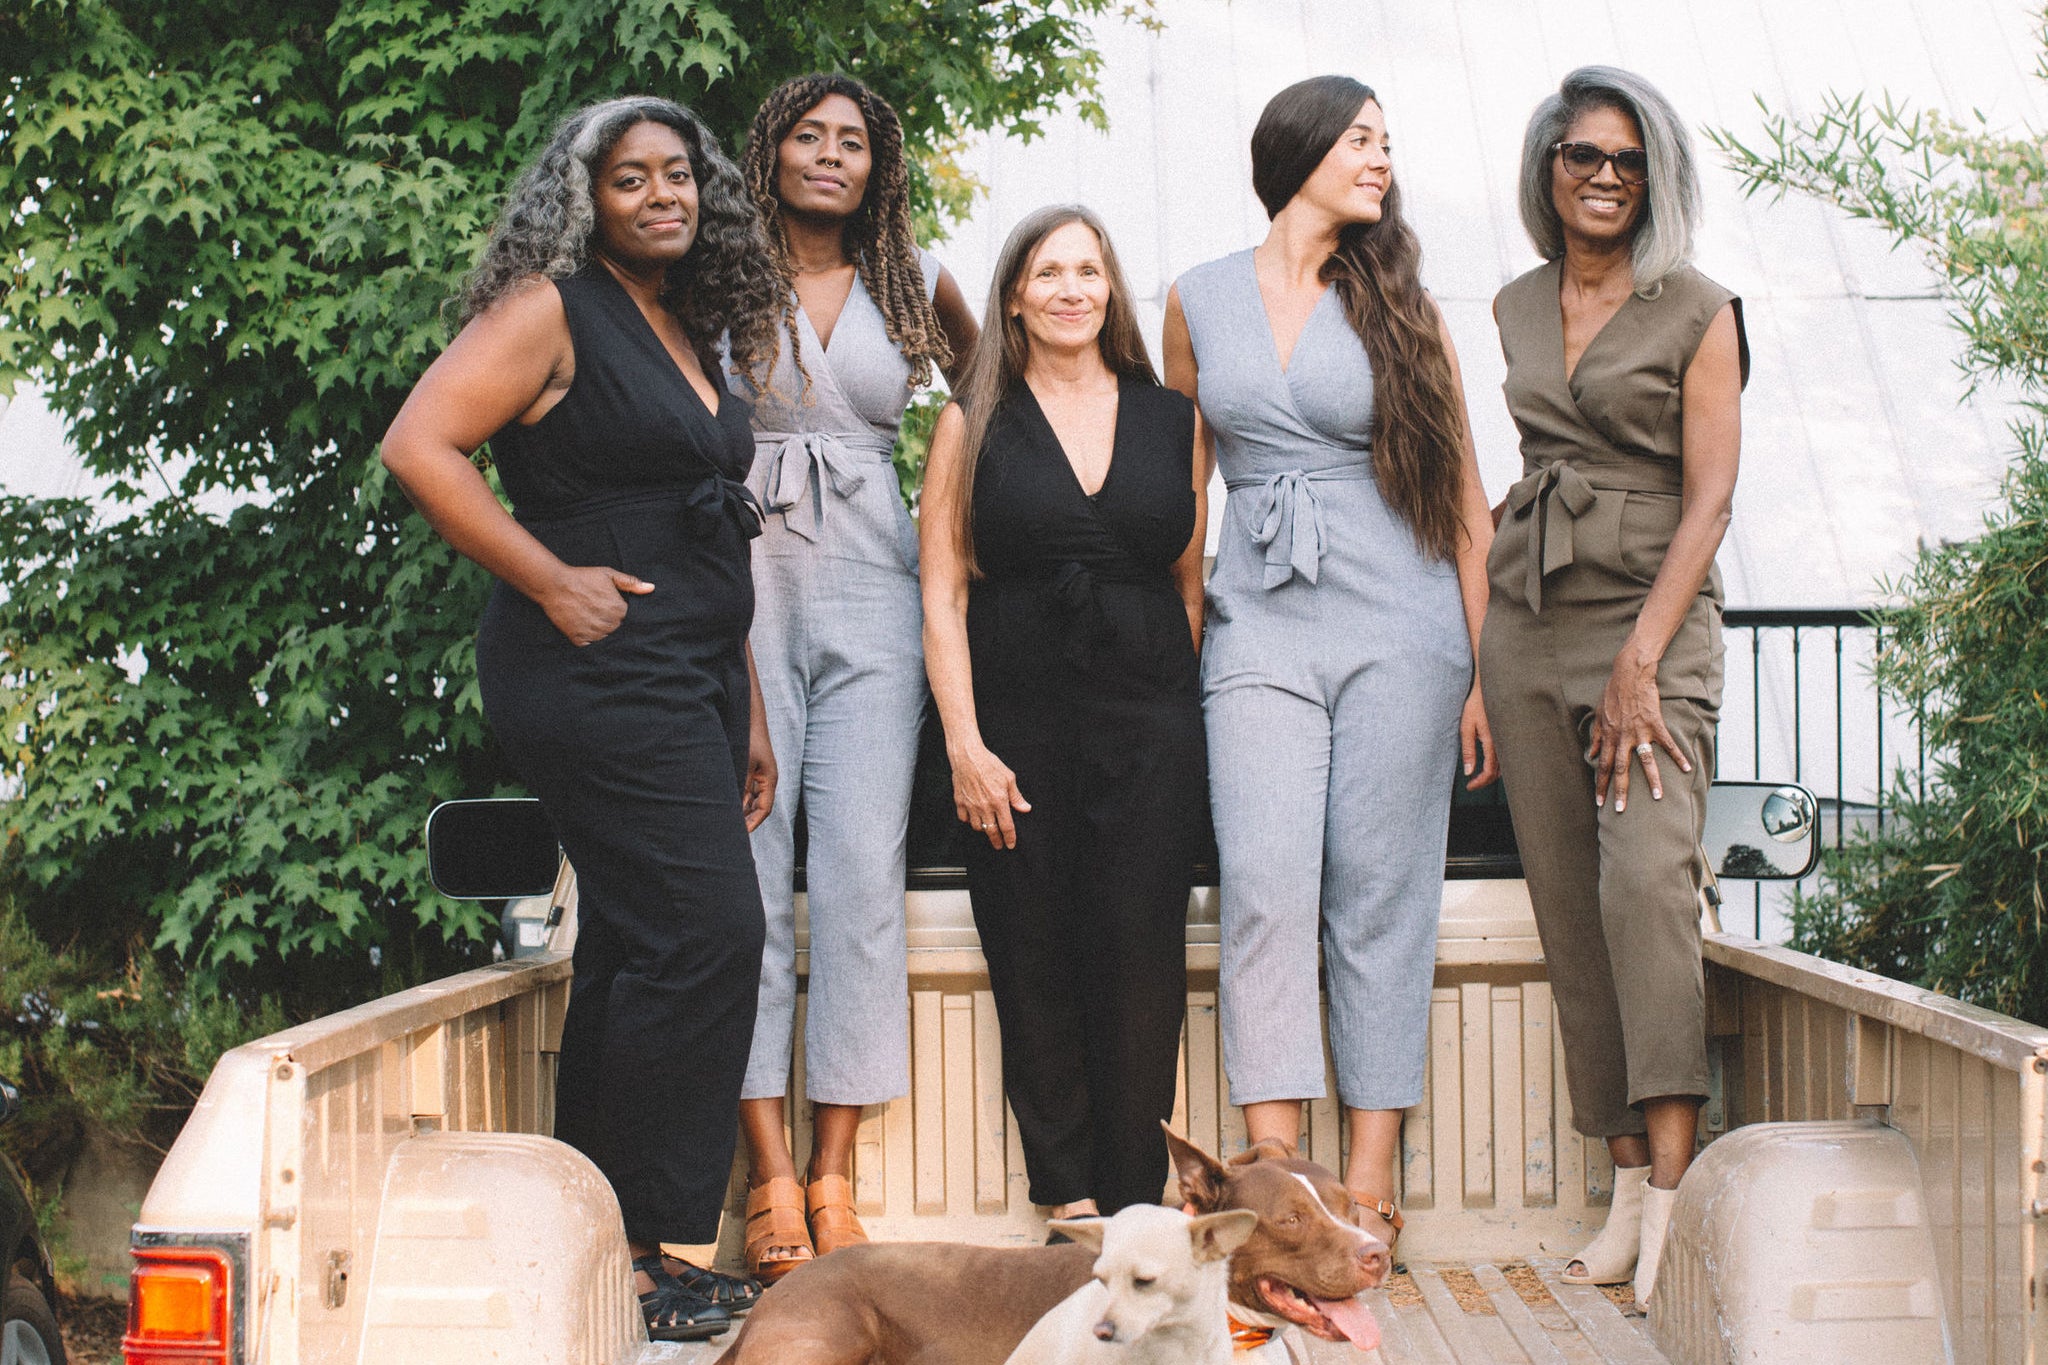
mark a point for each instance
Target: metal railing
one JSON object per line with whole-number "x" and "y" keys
{"x": 1823, "y": 723}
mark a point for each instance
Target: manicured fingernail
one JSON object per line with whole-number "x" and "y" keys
{"x": 1468, "y": 768}
{"x": 1620, "y": 806}
{"x": 1656, "y": 793}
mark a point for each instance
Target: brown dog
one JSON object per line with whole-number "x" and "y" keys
{"x": 933, "y": 1303}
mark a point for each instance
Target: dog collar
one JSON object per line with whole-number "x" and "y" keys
{"x": 1244, "y": 1336}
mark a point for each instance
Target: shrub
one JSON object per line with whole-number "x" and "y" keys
{"x": 1950, "y": 893}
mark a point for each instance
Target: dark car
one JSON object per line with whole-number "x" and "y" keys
{"x": 28, "y": 1318}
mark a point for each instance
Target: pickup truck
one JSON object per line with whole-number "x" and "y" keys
{"x": 375, "y": 1186}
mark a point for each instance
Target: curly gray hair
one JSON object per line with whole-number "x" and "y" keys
{"x": 726, "y": 285}
{"x": 1663, "y": 236}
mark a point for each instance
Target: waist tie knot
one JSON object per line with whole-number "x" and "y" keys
{"x": 718, "y": 496}
{"x": 1556, "y": 496}
{"x": 803, "y": 461}
{"x": 1287, "y": 517}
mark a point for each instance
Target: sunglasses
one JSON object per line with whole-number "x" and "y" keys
{"x": 1582, "y": 161}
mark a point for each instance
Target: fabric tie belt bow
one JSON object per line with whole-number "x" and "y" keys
{"x": 718, "y": 496}
{"x": 1287, "y": 517}
{"x": 815, "y": 459}
{"x": 1556, "y": 495}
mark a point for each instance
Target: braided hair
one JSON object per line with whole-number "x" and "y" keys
{"x": 877, "y": 238}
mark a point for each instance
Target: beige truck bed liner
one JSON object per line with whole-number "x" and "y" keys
{"x": 289, "y": 1144}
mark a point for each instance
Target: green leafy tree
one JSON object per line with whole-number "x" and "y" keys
{"x": 1950, "y": 893}
{"x": 230, "y": 231}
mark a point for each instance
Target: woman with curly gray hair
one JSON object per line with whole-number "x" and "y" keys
{"x": 1601, "y": 652}
{"x": 612, "y": 656}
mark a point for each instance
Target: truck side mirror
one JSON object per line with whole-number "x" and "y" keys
{"x": 1762, "y": 831}
{"x": 10, "y": 1100}
{"x": 498, "y": 849}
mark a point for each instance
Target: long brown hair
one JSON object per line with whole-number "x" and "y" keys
{"x": 877, "y": 238}
{"x": 1418, "y": 428}
{"x": 998, "y": 359}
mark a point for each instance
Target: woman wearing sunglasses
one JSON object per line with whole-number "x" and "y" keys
{"x": 1601, "y": 653}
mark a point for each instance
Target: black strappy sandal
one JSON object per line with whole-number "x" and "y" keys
{"x": 672, "y": 1312}
{"x": 734, "y": 1293}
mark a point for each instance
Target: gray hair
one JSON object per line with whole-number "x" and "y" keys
{"x": 726, "y": 285}
{"x": 1663, "y": 235}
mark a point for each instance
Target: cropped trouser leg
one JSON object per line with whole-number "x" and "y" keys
{"x": 1392, "y": 752}
{"x": 1269, "y": 777}
{"x": 785, "y": 688}
{"x": 860, "y": 756}
{"x": 837, "y": 645}
{"x": 1615, "y": 895}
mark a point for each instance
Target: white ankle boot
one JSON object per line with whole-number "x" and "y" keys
{"x": 1611, "y": 1257}
{"x": 1656, "y": 1219}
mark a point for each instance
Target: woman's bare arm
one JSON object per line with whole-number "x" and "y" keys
{"x": 956, "y": 320}
{"x": 1631, "y": 713}
{"x": 984, "y": 788}
{"x": 514, "y": 361}
{"x": 1187, "y": 570}
{"x": 1475, "y": 736}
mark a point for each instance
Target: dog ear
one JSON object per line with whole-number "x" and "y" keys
{"x": 1213, "y": 1236}
{"x": 1265, "y": 1149}
{"x": 1201, "y": 1175}
{"x": 1086, "y": 1231}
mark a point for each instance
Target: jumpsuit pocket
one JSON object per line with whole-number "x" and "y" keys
{"x": 1644, "y": 531}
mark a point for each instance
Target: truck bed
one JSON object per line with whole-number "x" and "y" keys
{"x": 1459, "y": 1313}
{"x": 283, "y": 1163}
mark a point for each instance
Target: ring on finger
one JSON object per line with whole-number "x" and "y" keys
{"x": 1644, "y": 749}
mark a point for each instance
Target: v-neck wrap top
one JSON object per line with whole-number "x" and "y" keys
{"x": 1601, "y": 448}
{"x": 630, "y": 427}
{"x": 825, "y": 440}
{"x": 1282, "y": 435}
{"x": 1083, "y": 579}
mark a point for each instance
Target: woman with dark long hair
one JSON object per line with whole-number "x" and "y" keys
{"x": 1602, "y": 652}
{"x": 1346, "y": 601}
{"x": 1061, "y": 529}
{"x": 867, "y": 319}
{"x": 612, "y": 655}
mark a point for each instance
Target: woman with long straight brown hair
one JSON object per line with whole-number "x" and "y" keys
{"x": 1349, "y": 588}
{"x": 1062, "y": 570}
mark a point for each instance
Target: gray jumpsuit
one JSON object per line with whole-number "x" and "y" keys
{"x": 1584, "y": 535}
{"x": 1335, "y": 665}
{"x": 838, "y": 641}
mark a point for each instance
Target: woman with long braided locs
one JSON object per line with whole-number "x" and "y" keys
{"x": 867, "y": 319}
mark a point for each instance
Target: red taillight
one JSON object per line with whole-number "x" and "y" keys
{"x": 178, "y": 1308}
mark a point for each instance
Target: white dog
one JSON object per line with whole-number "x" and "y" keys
{"x": 1159, "y": 1296}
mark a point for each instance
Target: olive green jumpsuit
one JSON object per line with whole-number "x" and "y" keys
{"x": 1580, "y": 542}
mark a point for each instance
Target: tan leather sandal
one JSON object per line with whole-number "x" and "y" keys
{"x": 834, "y": 1224}
{"x": 775, "y": 1220}
{"x": 1384, "y": 1208}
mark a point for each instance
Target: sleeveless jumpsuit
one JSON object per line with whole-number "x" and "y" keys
{"x": 1335, "y": 668}
{"x": 838, "y": 642}
{"x": 1085, "y": 685}
{"x": 636, "y": 746}
{"x": 1583, "y": 536}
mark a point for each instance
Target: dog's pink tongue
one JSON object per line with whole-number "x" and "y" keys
{"x": 1354, "y": 1320}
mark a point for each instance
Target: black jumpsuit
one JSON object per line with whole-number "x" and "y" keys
{"x": 636, "y": 746}
{"x": 1085, "y": 685}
